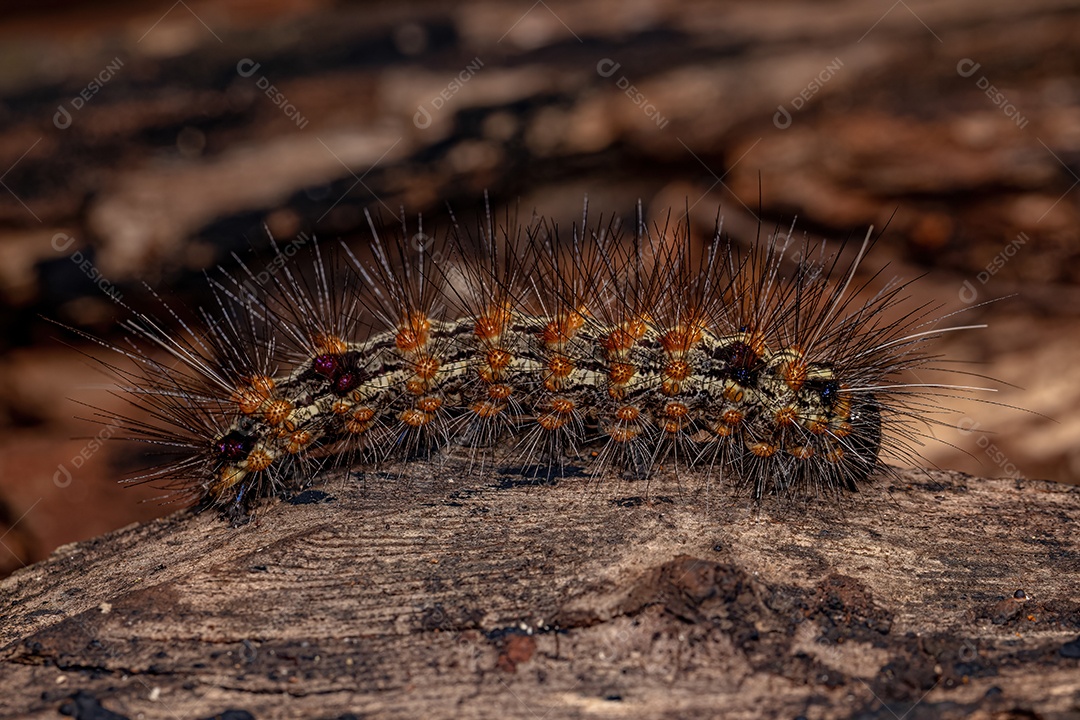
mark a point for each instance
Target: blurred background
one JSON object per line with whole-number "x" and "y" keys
{"x": 145, "y": 142}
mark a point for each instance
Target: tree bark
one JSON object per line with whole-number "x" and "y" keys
{"x": 430, "y": 590}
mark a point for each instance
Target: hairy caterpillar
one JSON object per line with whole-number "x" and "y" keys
{"x": 772, "y": 376}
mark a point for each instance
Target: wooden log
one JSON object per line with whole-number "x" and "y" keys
{"x": 431, "y": 590}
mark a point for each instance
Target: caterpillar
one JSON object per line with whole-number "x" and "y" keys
{"x": 770, "y": 370}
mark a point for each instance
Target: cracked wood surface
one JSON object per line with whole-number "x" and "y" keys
{"x": 431, "y": 591}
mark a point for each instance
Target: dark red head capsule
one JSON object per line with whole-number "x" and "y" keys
{"x": 325, "y": 364}
{"x": 345, "y": 382}
{"x": 234, "y": 446}
{"x": 742, "y": 363}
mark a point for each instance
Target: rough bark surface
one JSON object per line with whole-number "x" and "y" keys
{"x": 431, "y": 591}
